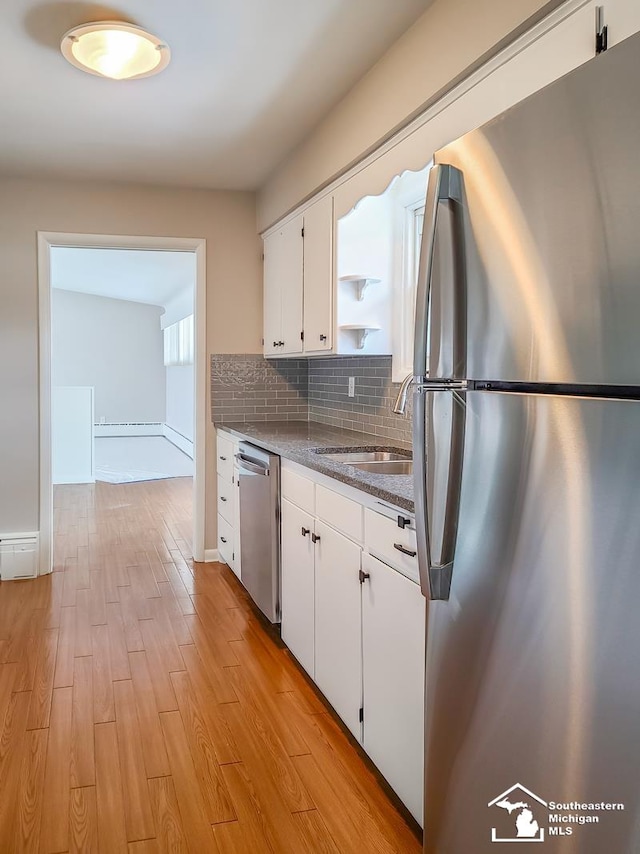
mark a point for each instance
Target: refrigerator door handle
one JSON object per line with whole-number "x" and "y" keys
{"x": 445, "y": 184}
{"x": 420, "y": 487}
{"x": 436, "y": 569}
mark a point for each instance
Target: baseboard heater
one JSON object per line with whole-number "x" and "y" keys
{"x": 144, "y": 428}
{"x": 128, "y": 428}
{"x": 19, "y": 556}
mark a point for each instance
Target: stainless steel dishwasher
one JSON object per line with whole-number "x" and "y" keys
{"x": 259, "y": 486}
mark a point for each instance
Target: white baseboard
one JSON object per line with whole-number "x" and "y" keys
{"x": 145, "y": 428}
{"x": 129, "y": 428}
{"x": 177, "y": 439}
{"x": 211, "y": 556}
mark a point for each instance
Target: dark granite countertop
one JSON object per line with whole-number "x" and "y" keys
{"x": 298, "y": 441}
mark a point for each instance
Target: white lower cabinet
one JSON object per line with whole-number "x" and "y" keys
{"x": 298, "y": 582}
{"x": 357, "y": 624}
{"x": 338, "y": 637}
{"x": 393, "y": 654}
{"x": 237, "y": 552}
{"x": 228, "y": 502}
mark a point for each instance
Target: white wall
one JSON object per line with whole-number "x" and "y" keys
{"x": 448, "y": 38}
{"x": 180, "y": 378}
{"x": 180, "y": 400}
{"x": 113, "y": 345}
{"x": 226, "y": 220}
{"x": 180, "y": 305}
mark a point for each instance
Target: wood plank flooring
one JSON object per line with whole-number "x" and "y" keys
{"x": 143, "y": 707}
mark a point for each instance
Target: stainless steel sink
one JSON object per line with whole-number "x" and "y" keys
{"x": 377, "y": 461}
{"x": 387, "y": 466}
{"x": 351, "y": 457}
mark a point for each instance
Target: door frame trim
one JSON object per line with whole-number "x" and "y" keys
{"x": 46, "y": 241}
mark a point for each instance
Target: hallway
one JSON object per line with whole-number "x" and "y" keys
{"x": 143, "y": 708}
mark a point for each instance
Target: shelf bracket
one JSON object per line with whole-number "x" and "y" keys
{"x": 362, "y": 335}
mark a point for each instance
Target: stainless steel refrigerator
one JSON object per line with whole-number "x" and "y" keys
{"x": 527, "y": 461}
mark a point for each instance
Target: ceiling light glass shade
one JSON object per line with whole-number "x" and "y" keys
{"x": 115, "y": 50}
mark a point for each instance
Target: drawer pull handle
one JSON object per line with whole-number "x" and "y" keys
{"x": 224, "y": 459}
{"x": 222, "y": 498}
{"x": 223, "y": 539}
{"x": 305, "y": 531}
{"x": 315, "y": 538}
{"x": 403, "y": 550}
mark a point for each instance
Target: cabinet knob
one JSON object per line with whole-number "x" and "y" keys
{"x": 275, "y": 344}
{"x": 224, "y": 459}
{"x": 222, "y": 498}
{"x": 315, "y": 538}
{"x": 362, "y": 575}
{"x": 403, "y": 521}
{"x": 280, "y": 343}
{"x": 323, "y": 337}
{"x": 305, "y": 531}
{"x": 223, "y": 539}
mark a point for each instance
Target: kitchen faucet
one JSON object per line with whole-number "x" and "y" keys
{"x": 401, "y": 400}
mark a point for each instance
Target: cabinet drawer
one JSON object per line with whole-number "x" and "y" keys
{"x": 225, "y": 540}
{"x": 386, "y": 540}
{"x": 224, "y": 458}
{"x": 341, "y": 513}
{"x": 298, "y": 490}
{"x": 226, "y": 497}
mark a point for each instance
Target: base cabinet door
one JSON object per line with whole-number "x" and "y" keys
{"x": 338, "y": 624}
{"x": 237, "y": 557}
{"x": 298, "y": 583}
{"x": 393, "y": 637}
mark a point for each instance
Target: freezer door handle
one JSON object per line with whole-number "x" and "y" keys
{"x": 437, "y": 482}
{"x": 445, "y": 184}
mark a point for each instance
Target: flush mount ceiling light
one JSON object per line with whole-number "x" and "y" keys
{"x": 115, "y": 50}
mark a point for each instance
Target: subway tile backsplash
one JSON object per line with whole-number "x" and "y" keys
{"x": 250, "y": 388}
{"x": 371, "y": 408}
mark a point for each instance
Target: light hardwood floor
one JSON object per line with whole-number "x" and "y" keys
{"x": 143, "y": 708}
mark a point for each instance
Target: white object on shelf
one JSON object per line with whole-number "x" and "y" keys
{"x": 361, "y": 330}
{"x": 361, "y": 283}
{"x": 18, "y": 556}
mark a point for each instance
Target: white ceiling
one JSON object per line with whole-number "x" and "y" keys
{"x": 248, "y": 79}
{"x": 130, "y": 274}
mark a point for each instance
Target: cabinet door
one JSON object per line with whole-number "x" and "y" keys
{"x": 338, "y": 624}
{"x": 289, "y": 273}
{"x": 393, "y": 638}
{"x": 237, "y": 556}
{"x": 272, "y": 292}
{"x": 298, "y": 584}
{"x": 318, "y": 276}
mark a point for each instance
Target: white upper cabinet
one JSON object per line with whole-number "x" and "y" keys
{"x": 298, "y": 284}
{"x": 283, "y": 253}
{"x": 318, "y": 276}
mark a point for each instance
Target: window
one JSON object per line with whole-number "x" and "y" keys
{"x": 179, "y": 343}
{"x": 409, "y": 196}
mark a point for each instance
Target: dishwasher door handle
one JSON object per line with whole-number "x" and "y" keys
{"x": 251, "y": 466}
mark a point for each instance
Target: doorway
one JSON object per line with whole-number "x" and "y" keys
{"x": 125, "y": 443}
